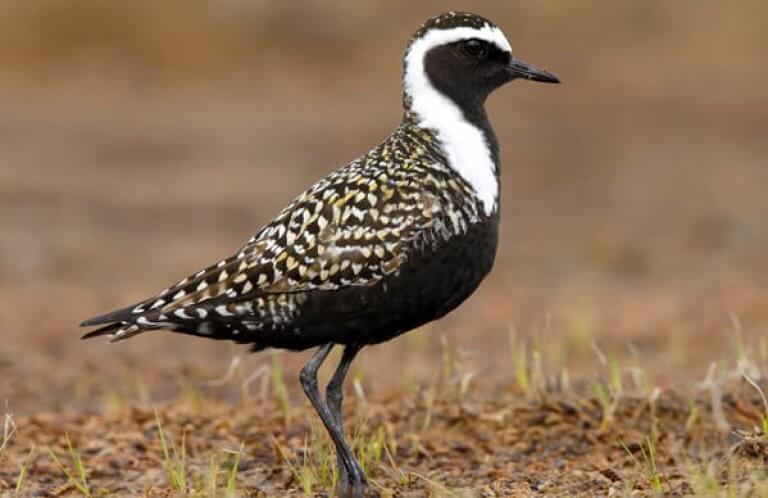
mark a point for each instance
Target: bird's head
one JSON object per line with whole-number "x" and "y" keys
{"x": 464, "y": 57}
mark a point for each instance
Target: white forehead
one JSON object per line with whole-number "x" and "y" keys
{"x": 437, "y": 37}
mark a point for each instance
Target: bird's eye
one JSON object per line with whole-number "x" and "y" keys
{"x": 474, "y": 48}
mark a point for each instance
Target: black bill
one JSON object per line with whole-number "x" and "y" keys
{"x": 520, "y": 69}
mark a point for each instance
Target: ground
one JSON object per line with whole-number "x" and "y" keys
{"x": 554, "y": 440}
{"x": 612, "y": 351}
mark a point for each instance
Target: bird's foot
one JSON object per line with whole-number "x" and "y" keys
{"x": 356, "y": 490}
{"x": 354, "y": 485}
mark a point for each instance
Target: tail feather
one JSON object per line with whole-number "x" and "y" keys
{"x": 117, "y": 324}
{"x": 202, "y": 320}
{"x": 126, "y": 332}
{"x": 117, "y": 331}
{"x": 106, "y": 330}
{"x": 120, "y": 315}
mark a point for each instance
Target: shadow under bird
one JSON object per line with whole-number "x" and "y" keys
{"x": 395, "y": 239}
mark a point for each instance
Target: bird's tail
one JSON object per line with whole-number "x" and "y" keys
{"x": 118, "y": 324}
{"x": 202, "y": 320}
{"x": 117, "y": 331}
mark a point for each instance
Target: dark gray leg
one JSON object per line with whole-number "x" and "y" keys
{"x": 349, "y": 484}
{"x": 308, "y": 378}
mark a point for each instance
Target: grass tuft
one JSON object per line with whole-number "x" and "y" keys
{"x": 77, "y": 478}
{"x": 606, "y": 404}
{"x": 370, "y": 449}
{"x": 764, "y": 417}
{"x": 9, "y": 429}
{"x": 213, "y": 477}
{"x": 278, "y": 384}
{"x": 317, "y": 467}
{"x": 648, "y": 465}
{"x": 24, "y": 469}
{"x": 175, "y": 462}
{"x": 704, "y": 478}
{"x": 323, "y": 458}
{"x": 303, "y": 473}
{"x": 231, "y": 489}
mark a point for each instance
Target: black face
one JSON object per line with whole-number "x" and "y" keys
{"x": 468, "y": 70}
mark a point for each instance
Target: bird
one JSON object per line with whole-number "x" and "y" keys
{"x": 392, "y": 240}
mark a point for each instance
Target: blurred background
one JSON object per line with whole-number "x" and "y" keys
{"x": 141, "y": 141}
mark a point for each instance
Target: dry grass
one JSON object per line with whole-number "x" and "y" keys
{"x": 9, "y": 430}
{"x": 439, "y": 440}
{"x": 616, "y": 349}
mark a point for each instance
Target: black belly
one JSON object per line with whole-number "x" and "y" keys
{"x": 433, "y": 282}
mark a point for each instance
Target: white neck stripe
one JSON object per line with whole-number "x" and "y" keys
{"x": 464, "y": 144}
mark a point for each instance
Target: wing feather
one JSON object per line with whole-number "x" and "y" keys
{"x": 353, "y": 228}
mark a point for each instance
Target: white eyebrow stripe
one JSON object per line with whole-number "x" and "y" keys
{"x": 436, "y": 37}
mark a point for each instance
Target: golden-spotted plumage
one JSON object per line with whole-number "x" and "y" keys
{"x": 353, "y": 228}
{"x": 393, "y": 240}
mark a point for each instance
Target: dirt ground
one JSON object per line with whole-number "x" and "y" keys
{"x": 138, "y": 144}
{"x": 437, "y": 441}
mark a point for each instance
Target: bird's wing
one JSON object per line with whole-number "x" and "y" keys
{"x": 350, "y": 231}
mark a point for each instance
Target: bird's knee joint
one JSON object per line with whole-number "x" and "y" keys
{"x": 308, "y": 378}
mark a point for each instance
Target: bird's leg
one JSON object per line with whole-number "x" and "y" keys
{"x": 348, "y": 483}
{"x": 308, "y": 378}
